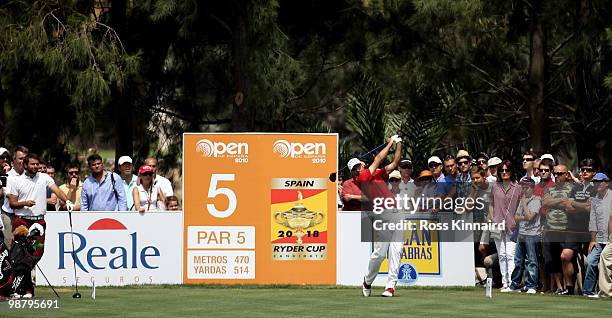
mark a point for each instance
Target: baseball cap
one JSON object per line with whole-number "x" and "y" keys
{"x": 424, "y": 175}
{"x": 3, "y": 151}
{"x": 352, "y": 163}
{"x": 463, "y": 154}
{"x": 124, "y": 159}
{"x": 494, "y": 161}
{"x": 435, "y": 159}
{"x": 145, "y": 168}
{"x": 547, "y": 156}
{"x": 527, "y": 181}
{"x": 600, "y": 176}
{"x": 406, "y": 164}
{"x": 395, "y": 175}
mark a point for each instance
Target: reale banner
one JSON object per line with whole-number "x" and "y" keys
{"x": 113, "y": 248}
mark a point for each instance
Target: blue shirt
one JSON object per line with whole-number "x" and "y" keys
{"x": 100, "y": 196}
{"x": 129, "y": 198}
{"x": 445, "y": 186}
{"x": 464, "y": 181}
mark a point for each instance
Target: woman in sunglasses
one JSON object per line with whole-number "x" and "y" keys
{"x": 505, "y": 197}
{"x": 147, "y": 196}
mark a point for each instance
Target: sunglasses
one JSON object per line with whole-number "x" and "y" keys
{"x": 482, "y": 161}
{"x": 73, "y": 172}
{"x": 544, "y": 170}
{"x": 528, "y": 159}
{"x": 461, "y": 163}
{"x": 505, "y": 170}
{"x": 558, "y": 174}
{"x": 585, "y": 169}
{"x": 148, "y": 174}
{"x": 434, "y": 165}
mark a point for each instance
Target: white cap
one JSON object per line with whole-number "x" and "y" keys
{"x": 124, "y": 159}
{"x": 352, "y": 163}
{"x": 547, "y": 156}
{"x": 3, "y": 151}
{"x": 435, "y": 159}
{"x": 494, "y": 161}
{"x": 395, "y": 174}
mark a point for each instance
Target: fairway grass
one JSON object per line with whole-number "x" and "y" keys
{"x": 307, "y": 301}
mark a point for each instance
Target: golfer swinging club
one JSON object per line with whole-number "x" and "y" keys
{"x": 372, "y": 182}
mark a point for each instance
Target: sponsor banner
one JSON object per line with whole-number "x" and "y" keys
{"x": 258, "y": 206}
{"x": 427, "y": 258}
{"x": 421, "y": 250}
{"x": 113, "y": 248}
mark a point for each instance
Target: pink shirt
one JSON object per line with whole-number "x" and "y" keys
{"x": 504, "y": 203}
{"x": 349, "y": 187}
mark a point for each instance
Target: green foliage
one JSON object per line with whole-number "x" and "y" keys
{"x": 80, "y": 57}
{"x": 367, "y": 113}
{"x": 445, "y": 74}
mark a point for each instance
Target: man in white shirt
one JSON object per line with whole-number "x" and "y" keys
{"x": 7, "y": 213}
{"x": 27, "y": 197}
{"x": 163, "y": 183}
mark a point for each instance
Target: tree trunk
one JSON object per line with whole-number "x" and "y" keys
{"x": 585, "y": 143}
{"x": 536, "y": 79}
{"x": 122, "y": 108}
{"x": 242, "y": 119}
{"x": 2, "y": 119}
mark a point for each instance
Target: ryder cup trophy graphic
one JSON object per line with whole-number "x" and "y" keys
{"x": 299, "y": 217}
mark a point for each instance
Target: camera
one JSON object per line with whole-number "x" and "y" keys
{"x": 3, "y": 179}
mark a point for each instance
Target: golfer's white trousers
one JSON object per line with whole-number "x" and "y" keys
{"x": 390, "y": 250}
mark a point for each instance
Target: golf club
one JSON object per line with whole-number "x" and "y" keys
{"x": 48, "y": 283}
{"x": 76, "y": 295}
{"x": 333, "y": 175}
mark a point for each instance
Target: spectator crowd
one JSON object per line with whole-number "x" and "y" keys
{"x": 557, "y": 223}
{"x": 557, "y": 231}
{"x": 28, "y": 189}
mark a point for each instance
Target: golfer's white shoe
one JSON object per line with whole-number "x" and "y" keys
{"x": 366, "y": 289}
{"x": 388, "y": 292}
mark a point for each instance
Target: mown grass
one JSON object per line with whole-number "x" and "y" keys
{"x": 307, "y": 301}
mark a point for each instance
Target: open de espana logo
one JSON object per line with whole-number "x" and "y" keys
{"x": 237, "y": 150}
{"x": 310, "y": 150}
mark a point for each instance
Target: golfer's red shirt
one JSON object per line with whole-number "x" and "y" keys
{"x": 374, "y": 185}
